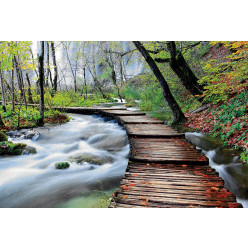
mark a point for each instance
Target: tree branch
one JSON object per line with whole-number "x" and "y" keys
{"x": 160, "y": 60}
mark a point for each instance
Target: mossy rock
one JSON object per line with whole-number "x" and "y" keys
{"x": 3, "y": 136}
{"x": 91, "y": 159}
{"x": 10, "y": 148}
{"x": 62, "y": 165}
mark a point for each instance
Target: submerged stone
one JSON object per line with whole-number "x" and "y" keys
{"x": 91, "y": 159}
{"x": 29, "y": 150}
{"x": 62, "y": 165}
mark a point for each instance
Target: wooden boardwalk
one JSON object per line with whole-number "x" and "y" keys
{"x": 164, "y": 170}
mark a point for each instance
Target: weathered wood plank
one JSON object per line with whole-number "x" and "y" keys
{"x": 114, "y": 112}
{"x": 143, "y": 190}
{"x": 176, "y": 201}
{"x": 152, "y": 130}
{"x": 137, "y": 120}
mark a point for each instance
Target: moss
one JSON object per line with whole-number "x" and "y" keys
{"x": 3, "y": 136}
{"x": 10, "y": 148}
{"x": 62, "y": 165}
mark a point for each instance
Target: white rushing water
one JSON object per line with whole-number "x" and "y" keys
{"x": 33, "y": 180}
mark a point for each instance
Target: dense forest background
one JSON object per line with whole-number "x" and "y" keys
{"x": 198, "y": 84}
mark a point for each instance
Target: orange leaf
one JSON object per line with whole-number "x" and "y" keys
{"x": 125, "y": 196}
{"x": 143, "y": 203}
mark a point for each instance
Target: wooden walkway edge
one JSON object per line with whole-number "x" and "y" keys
{"x": 164, "y": 169}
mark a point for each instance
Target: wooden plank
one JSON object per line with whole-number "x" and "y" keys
{"x": 170, "y": 176}
{"x": 114, "y": 112}
{"x": 176, "y": 201}
{"x": 176, "y": 168}
{"x": 178, "y": 195}
{"x": 160, "y": 182}
{"x": 137, "y": 120}
{"x": 152, "y": 130}
{"x": 143, "y": 190}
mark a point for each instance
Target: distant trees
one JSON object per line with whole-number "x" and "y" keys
{"x": 176, "y": 110}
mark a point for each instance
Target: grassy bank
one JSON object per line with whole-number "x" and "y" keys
{"x": 27, "y": 118}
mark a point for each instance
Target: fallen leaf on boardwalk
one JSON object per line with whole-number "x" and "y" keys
{"x": 143, "y": 198}
{"x": 132, "y": 185}
{"x": 124, "y": 187}
{"x": 125, "y": 196}
{"x": 134, "y": 174}
{"x": 206, "y": 176}
{"x": 214, "y": 189}
{"x": 147, "y": 164}
{"x": 184, "y": 165}
{"x": 143, "y": 203}
{"x": 144, "y": 182}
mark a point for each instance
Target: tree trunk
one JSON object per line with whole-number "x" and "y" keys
{"x": 41, "y": 84}
{"x": 3, "y": 90}
{"x": 179, "y": 65}
{"x": 48, "y": 65}
{"x": 1, "y": 122}
{"x": 55, "y": 80}
{"x": 30, "y": 99}
{"x": 12, "y": 89}
{"x": 176, "y": 110}
{"x": 20, "y": 81}
{"x": 113, "y": 75}
{"x": 85, "y": 85}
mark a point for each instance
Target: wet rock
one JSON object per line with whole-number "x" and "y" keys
{"x": 204, "y": 142}
{"x": 33, "y": 135}
{"x": 29, "y": 150}
{"x": 90, "y": 158}
{"x": 62, "y": 165}
{"x": 109, "y": 143}
{"x": 22, "y": 134}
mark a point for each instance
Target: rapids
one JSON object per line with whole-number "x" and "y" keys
{"x": 33, "y": 181}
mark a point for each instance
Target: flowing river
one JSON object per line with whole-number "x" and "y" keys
{"x": 33, "y": 180}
